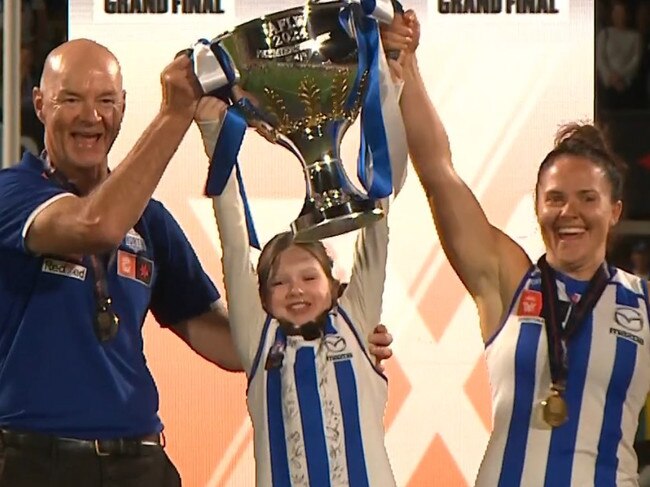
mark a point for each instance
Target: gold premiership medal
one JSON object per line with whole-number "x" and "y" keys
{"x": 554, "y": 409}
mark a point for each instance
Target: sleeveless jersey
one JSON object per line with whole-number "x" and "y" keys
{"x": 608, "y": 361}
{"x": 318, "y": 416}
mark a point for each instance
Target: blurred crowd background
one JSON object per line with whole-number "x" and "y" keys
{"x": 44, "y": 25}
{"x": 622, "y": 106}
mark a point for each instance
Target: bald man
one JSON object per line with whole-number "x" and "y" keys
{"x": 83, "y": 257}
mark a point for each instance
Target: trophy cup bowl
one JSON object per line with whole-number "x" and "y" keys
{"x": 299, "y": 76}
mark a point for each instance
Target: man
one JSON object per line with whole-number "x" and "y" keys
{"x": 83, "y": 257}
{"x": 82, "y": 250}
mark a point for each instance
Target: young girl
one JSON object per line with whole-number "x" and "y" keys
{"x": 315, "y": 399}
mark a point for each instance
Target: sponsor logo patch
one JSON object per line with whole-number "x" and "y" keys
{"x": 629, "y": 322}
{"x": 134, "y": 241}
{"x": 530, "y": 303}
{"x": 135, "y": 267}
{"x": 63, "y": 268}
{"x": 626, "y": 335}
{"x": 336, "y": 348}
{"x": 628, "y": 318}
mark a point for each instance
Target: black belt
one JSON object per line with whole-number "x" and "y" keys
{"x": 102, "y": 448}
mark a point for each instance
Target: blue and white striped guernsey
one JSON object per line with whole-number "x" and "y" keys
{"x": 318, "y": 417}
{"x": 608, "y": 380}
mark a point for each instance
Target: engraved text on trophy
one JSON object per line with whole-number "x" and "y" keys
{"x": 286, "y": 37}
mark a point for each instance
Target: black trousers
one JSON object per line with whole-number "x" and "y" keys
{"x": 74, "y": 466}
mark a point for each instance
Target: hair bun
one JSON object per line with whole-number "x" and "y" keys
{"x": 587, "y": 138}
{"x": 584, "y": 134}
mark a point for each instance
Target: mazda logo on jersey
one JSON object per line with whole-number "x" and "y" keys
{"x": 334, "y": 343}
{"x": 628, "y": 318}
{"x": 336, "y": 348}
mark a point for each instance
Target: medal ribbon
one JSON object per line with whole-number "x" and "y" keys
{"x": 556, "y": 334}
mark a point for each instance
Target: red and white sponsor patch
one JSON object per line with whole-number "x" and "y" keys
{"x": 530, "y": 303}
{"x": 136, "y": 267}
{"x": 125, "y": 264}
{"x": 143, "y": 270}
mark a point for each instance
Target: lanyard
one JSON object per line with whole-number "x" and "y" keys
{"x": 106, "y": 321}
{"x": 557, "y": 331}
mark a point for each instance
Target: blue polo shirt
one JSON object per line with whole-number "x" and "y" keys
{"x": 56, "y": 377}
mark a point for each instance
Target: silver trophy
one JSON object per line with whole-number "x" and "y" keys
{"x": 298, "y": 83}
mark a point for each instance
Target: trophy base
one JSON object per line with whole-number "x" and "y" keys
{"x": 314, "y": 224}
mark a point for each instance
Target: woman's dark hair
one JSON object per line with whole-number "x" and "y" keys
{"x": 586, "y": 140}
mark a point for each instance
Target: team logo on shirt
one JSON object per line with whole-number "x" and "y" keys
{"x": 530, "y": 303}
{"x": 336, "y": 348}
{"x": 135, "y": 267}
{"x": 134, "y": 241}
{"x": 63, "y": 268}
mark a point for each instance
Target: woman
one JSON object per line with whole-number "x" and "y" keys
{"x": 567, "y": 340}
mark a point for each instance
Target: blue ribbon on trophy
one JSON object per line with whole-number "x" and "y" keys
{"x": 381, "y": 164}
{"x": 373, "y": 135}
{"x": 216, "y": 72}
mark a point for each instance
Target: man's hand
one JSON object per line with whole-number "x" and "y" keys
{"x": 180, "y": 88}
{"x": 379, "y": 345}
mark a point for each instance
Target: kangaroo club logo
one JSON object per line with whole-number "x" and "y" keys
{"x": 530, "y": 303}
